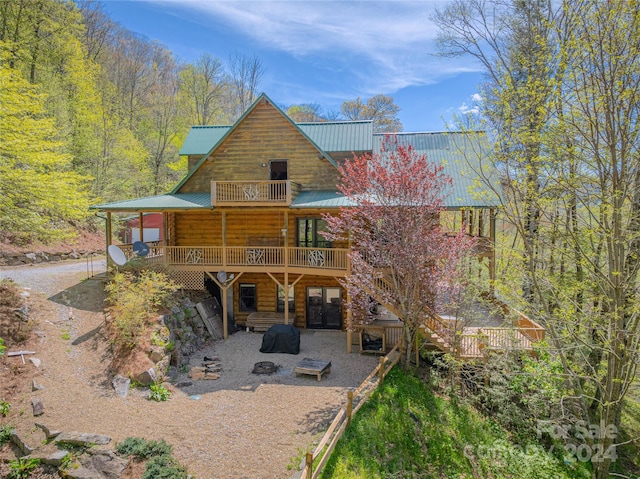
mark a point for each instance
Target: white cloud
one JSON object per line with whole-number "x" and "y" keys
{"x": 468, "y": 109}
{"x": 386, "y": 45}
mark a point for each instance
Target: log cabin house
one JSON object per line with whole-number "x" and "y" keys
{"x": 246, "y": 221}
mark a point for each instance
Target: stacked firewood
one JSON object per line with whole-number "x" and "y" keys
{"x": 210, "y": 369}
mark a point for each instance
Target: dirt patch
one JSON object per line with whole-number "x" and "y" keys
{"x": 82, "y": 240}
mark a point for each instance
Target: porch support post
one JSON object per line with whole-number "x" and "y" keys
{"x": 286, "y": 297}
{"x": 224, "y": 240}
{"x": 223, "y": 293}
{"x": 285, "y": 233}
{"x": 141, "y": 221}
{"x": 108, "y": 232}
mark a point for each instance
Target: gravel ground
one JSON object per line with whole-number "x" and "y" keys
{"x": 239, "y": 426}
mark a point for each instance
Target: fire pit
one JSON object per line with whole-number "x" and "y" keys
{"x": 264, "y": 367}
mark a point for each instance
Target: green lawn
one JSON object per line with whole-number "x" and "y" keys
{"x": 405, "y": 431}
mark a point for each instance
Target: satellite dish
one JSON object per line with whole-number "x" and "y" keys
{"x": 140, "y": 248}
{"x": 222, "y": 276}
{"x": 116, "y": 255}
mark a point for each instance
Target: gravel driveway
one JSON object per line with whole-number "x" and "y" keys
{"x": 239, "y": 426}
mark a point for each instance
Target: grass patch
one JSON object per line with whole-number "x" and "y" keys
{"x": 406, "y": 431}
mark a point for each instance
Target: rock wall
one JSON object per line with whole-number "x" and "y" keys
{"x": 18, "y": 259}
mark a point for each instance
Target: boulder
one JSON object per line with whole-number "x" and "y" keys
{"x": 148, "y": 377}
{"x": 156, "y": 353}
{"x": 20, "y": 444}
{"x": 55, "y": 458}
{"x": 121, "y": 385}
{"x": 98, "y": 464}
{"x": 49, "y": 433}
{"x": 36, "y": 362}
{"x": 82, "y": 438}
{"x": 38, "y": 406}
{"x": 35, "y": 386}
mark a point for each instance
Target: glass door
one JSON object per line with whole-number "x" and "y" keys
{"x": 324, "y": 308}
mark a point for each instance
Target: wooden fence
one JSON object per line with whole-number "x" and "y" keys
{"x": 315, "y": 460}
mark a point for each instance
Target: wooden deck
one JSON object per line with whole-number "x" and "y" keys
{"x": 319, "y": 261}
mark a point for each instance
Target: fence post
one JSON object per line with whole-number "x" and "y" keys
{"x": 309, "y": 464}
{"x": 349, "y": 406}
{"x": 381, "y": 370}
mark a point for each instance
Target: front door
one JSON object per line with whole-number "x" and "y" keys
{"x": 324, "y": 308}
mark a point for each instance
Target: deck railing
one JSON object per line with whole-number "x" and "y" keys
{"x": 254, "y": 256}
{"x": 239, "y": 193}
{"x": 474, "y": 341}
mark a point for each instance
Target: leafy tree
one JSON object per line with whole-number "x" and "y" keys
{"x": 379, "y": 108}
{"x": 564, "y": 114}
{"x": 306, "y": 112}
{"x": 244, "y": 77}
{"x": 400, "y": 254}
{"x": 40, "y": 193}
{"x": 202, "y": 88}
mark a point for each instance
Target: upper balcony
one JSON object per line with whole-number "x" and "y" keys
{"x": 253, "y": 193}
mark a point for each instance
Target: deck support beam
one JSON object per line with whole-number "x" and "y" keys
{"x": 223, "y": 294}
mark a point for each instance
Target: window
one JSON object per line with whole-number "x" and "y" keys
{"x": 247, "y": 293}
{"x": 278, "y": 170}
{"x": 281, "y": 300}
{"x": 310, "y": 233}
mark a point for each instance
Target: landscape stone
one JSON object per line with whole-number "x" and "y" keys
{"x": 148, "y": 377}
{"x": 20, "y": 444}
{"x": 82, "y": 438}
{"x": 31, "y": 257}
{"x": 98, "y": 464}
{"x": 156, "y": 353}
{"x": 36, "y": 362}
{"x": 49, "y": 434}
{"x": 35, "y": 386}
{"x": 55, "y": 458}
{"x": 38, "y": 406}
{"x": 121, "y": 385}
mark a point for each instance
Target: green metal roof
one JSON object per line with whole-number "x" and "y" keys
{"x": 463, "y": 155}
{"x": 320, "y": 199}
{"x": 329, "y": 136}
{"x": 184, "y": 201}
{"x": 201, "y": 139}
{"x": 341, "y": 135}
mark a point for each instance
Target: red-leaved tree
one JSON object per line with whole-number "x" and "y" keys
{"x": 400, "y": 256}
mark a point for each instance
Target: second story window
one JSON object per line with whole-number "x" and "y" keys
{"x": 278, "y": 170}
{"x": 310, "y": 233}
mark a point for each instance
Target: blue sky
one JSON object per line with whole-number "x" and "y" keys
{"x": 320, "y": 51}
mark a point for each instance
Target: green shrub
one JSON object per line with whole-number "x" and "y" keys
{"x": 2, "y": 347}
{"x": 160, "y": 464}
{"x": 22, "y": 468}
{"x": 143, "y": 449}
{"x": 134, "y": 299}
{"x": 5, "y": 407}
{"x": 5, "y": 433}
{"x": 164, "y": 467}
{"x": 159, "y": 392}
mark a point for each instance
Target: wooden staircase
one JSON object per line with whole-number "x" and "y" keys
{"x": 433, "y": 327}
{"x": 473, "y": 342}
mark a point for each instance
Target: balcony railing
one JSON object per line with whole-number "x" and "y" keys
{"x": 246, "y": 256}
{"x": 253, "y": 193}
